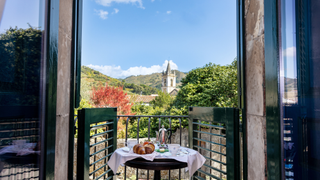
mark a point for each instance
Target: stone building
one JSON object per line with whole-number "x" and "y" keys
{"x": 168, "y": 80}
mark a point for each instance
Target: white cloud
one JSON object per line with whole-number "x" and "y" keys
{"x": 109, "y": 2}
{"x": 152, "y": 0}
{"x": 117, "y": 72}
{"x": 116, "y": 10}
{"x": 103, "y": 14}
{"x": 289, "y": 52}
{"x": 168, "y": 12}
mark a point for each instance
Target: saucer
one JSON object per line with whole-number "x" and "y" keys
{"x": 125, "y": 149}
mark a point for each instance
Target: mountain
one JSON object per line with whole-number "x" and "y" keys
{"x": 290, "y": 84}
{"x": 153, "y": 80}
{"x": 92, "y": 78}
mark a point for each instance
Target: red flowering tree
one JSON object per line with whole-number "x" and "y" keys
{"x": 110, "y": 96}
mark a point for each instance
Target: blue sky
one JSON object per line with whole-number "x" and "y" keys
{"x": 288, "y": 41}
{"x": 132, "y": 37}
{"x": 19, "y": 13}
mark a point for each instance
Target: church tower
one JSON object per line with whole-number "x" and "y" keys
{"x": 168, "y": 80}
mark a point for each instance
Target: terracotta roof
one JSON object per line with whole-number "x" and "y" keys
{"x": 143, "y": 98}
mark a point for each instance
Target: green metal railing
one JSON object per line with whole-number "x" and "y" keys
{"x": 160, "y": 119}
{"x": 97, "y": 140}
{"x": 214, "y": 132}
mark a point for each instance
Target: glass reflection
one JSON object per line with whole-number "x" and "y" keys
{"x": 300, "y": 89}
{"x": 21, "y": 32}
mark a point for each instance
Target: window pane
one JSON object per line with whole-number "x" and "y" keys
{"x": 300, "y": 88}
{"x": 21, "y": 37}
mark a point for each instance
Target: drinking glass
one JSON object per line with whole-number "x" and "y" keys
{"x": 131, "y": 143}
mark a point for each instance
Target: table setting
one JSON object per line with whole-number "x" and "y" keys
{"x": 192, "y": 158}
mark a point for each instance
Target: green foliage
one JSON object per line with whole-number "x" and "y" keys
{"x": 163, "y": 100}
{"x": 98, "y": 78}
{"x": 91, "y": 78}
{"x": 153, "y": 80}
{"x": 139, "y": 89}
{"x": 83, "y": 104}
{"x": 20, "y": 55}
{"x": 140, "y": 109}
{"x": 210, "y": 86}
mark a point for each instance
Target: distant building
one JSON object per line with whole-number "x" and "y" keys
{"x": 174, "y": 92}
{"x": 143, "y": 99}
{"x": 169, "y": 81}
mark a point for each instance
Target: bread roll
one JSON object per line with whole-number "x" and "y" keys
{"x": 150, "y": 146}
{"x": 144, "y": 149}
{"x": 135, "y": 148}
{"x": 139, "y": 149}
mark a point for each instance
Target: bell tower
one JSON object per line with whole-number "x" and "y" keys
{"x": 168, "y": 80}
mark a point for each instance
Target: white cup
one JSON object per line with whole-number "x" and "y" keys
{"x": 173, "y": 148}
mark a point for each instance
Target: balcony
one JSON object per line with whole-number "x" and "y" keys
{"x": 211, "y": 132}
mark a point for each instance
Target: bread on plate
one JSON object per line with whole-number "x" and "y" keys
{"x": 143, "y": 149}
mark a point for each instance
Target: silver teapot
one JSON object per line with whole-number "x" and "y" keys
{"x": 162, "y": 136}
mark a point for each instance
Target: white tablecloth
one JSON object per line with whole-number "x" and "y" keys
{"x": 194, "y": 159}
{"x": 21, "y": 151}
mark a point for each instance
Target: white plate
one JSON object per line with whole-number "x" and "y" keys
{"x": 167, "y": 154}
{"x": 125, "y": 149}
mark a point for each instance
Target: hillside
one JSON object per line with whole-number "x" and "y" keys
{"x": 153, "y": 80}
{"x": 92, "y": 78}
{"x": 290, "y": 84}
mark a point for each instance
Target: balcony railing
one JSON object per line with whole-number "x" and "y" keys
{"x": 161, "y": 119}
{"x": 212, "y": 131}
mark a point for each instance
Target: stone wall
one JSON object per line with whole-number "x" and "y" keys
{"x": 255, "y": 89}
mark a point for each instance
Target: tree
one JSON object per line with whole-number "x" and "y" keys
{"x": 110, "y": 96}
{"x": 20, "y": 57}
{"x": 163, "y": 100}
{"x": 83, "y": 104}
{"x": 210, "y": 86}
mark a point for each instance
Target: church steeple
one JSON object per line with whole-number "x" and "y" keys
{"x": 168, "y": 80}
{"x": 168, "y": 69}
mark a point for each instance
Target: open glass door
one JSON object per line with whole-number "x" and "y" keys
{"x": 300, "y": 89}
{"x": 21, "y": 61}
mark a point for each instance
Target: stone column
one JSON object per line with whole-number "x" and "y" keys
{"x": 63, "y": 89}
{"x": 255, "y": 89}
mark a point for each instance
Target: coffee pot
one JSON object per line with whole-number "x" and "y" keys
{"x": 163, "y": 138}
